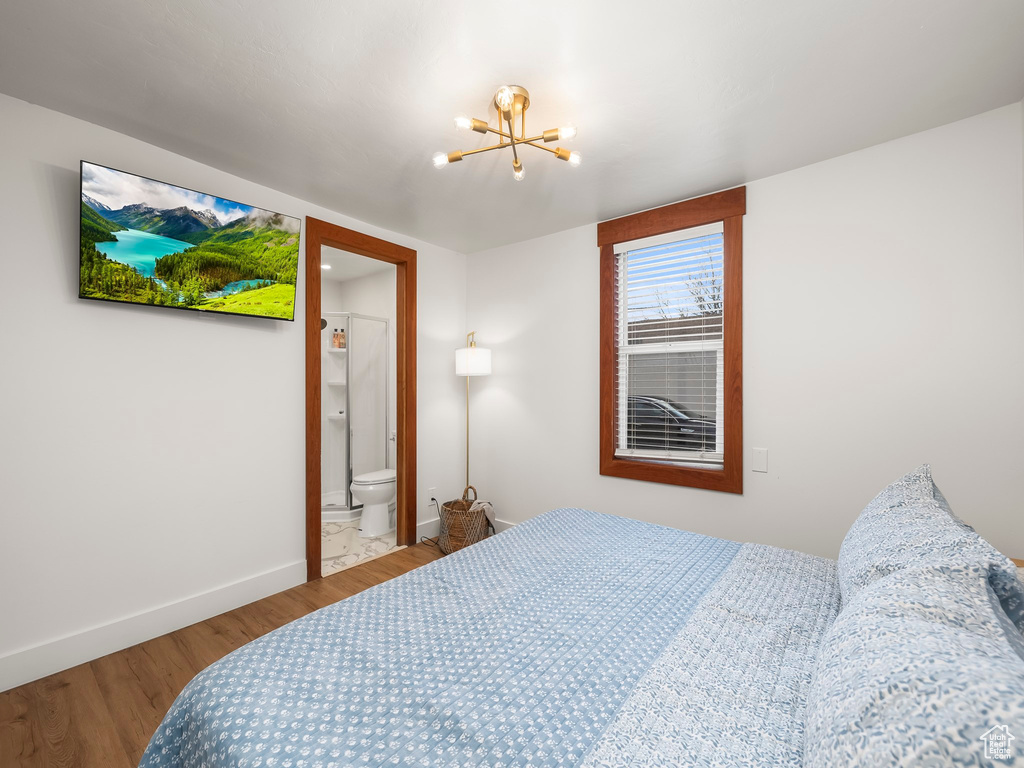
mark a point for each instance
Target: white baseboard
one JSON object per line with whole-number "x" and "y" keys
{"x": 428, "y": 529}
{"x": 28, "y": 664}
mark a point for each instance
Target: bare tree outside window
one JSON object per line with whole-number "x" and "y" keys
{"x": 705, "y": 289}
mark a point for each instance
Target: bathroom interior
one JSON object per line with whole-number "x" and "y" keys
{"x": 358, "y": 395}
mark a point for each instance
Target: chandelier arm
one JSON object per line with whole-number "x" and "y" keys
{"x": 477, "y": 151}
{"x": 499, "y": 132}
{"x": 512, "y": 139}
{"x": 538, "y": 146}
{"x": 484, "y": 149}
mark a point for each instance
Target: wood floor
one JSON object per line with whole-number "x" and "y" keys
{"x": 104, "y": 712}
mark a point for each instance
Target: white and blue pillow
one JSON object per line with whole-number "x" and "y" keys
{"x": 922, "y": 667}
{"x": 910, "y": 524}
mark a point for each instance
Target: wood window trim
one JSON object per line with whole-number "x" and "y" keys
{"x": 728, "y": 207}
{"x": 320, "y": 233}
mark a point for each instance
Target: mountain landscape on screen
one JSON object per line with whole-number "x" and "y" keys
{"x": 147, "y": 242}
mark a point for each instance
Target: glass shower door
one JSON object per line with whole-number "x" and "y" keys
{"x": 368, "y": 394}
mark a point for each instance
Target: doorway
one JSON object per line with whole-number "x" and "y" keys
{"x": 386, "y": 351}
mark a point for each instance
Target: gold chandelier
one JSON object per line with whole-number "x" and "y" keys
{"x": 511, "y": 101}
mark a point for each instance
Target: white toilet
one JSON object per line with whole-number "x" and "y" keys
{"x": 376, "y": 491}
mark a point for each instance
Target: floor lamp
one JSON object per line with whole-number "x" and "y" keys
{"x": 471, "y": 360}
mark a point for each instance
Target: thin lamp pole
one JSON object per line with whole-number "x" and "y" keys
{"x": 469, "y": 344}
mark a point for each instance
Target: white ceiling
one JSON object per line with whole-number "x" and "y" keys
{"x": 343, "y": 103}
{"x": 348, "y": 266}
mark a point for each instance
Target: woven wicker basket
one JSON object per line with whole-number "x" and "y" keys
{"x": 459, "y": 526}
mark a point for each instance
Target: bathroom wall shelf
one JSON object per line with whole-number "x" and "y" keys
{"x": 335, "y": 383}
{"x": 334, "y": 351}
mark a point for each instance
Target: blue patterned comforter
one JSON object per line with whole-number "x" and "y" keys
{"x": 574, "y": 639}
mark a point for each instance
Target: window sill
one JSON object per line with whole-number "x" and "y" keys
{"x": 728, "y": 479}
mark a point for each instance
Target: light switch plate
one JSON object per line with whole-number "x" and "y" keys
{"x": 759, "y": 459}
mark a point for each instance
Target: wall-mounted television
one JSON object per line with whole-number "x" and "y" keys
{"x": 149, "y": 242}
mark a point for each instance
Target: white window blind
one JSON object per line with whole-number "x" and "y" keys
{"x": 669, "y": 332}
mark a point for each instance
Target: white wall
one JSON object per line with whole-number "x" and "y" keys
{"x": 153, "y": 461}
{"x": 883, "y": 320}
{"x": 373, "y": 295}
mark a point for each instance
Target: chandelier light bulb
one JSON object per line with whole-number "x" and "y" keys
{"x": 440, "y": 159}
{"x": 504, "y": 98}
{"x": 567, "y": 132}
{"x": 463, "y": 123}
{"x": 575, "y": 158}
{"x": 518, "y": 173}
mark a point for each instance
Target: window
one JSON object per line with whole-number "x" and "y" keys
{"x": 668, "y": 335}
{"x": 671, "y": 344}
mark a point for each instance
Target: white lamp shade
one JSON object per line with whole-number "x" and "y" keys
{"x": 472, "y": 361}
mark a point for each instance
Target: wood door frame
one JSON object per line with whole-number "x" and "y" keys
{"x": 320, "y": 233}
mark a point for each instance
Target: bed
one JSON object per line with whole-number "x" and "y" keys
{"x": 573, "y": 639}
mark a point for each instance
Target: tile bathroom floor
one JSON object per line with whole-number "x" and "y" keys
{"x": 341, "y": 546}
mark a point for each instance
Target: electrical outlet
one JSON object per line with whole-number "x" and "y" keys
{"x": 431, "y": 495}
